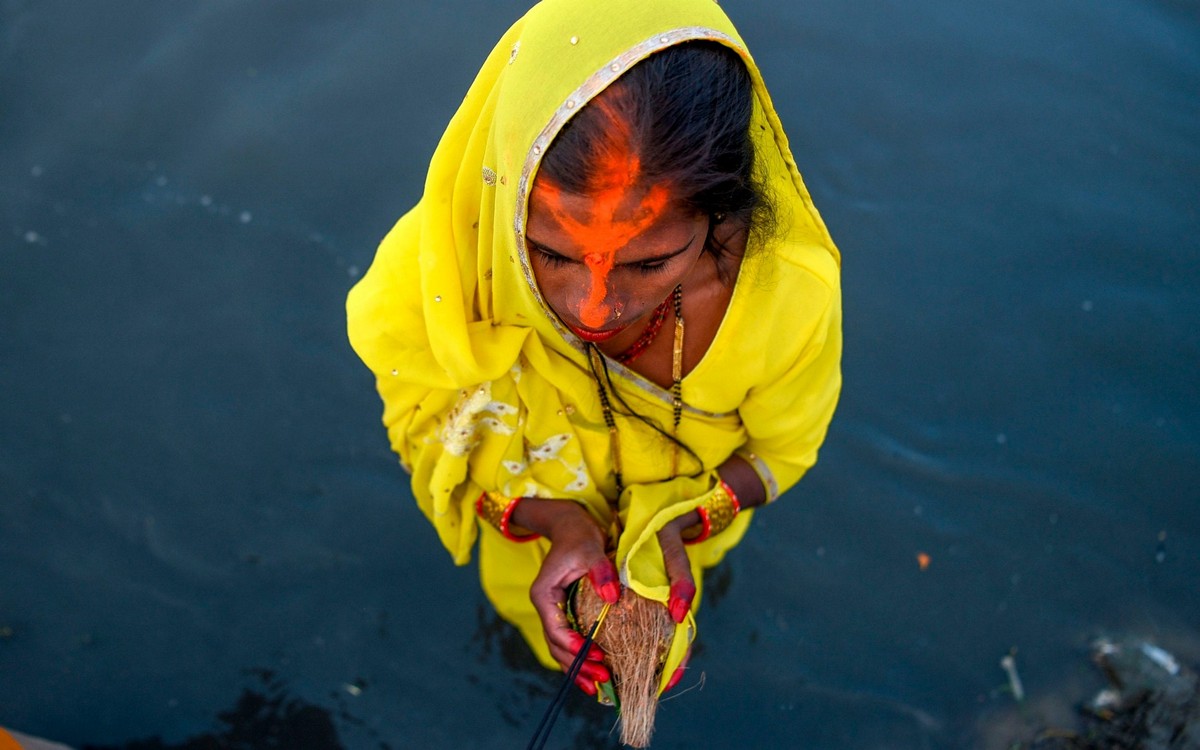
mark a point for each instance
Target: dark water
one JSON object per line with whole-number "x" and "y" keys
{"x": 195, "y": 490}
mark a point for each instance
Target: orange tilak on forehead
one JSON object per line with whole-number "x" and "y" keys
{"x": 617, "y": 214}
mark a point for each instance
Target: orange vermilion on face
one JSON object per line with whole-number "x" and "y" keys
{"x": 621, "y": 208}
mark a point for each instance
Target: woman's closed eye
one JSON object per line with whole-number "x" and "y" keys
{"x": 549, "y": 257}
{"x": 649, "y": 267}
{"x": 645, "y": 267}
{"x": 657, "y": 264}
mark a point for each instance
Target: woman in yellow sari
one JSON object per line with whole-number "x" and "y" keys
{"x": 612, "y": 325}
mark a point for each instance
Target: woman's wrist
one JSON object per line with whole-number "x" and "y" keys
{"x": 498, "y": 510}
{"x": 549, "y": 518}
{"x": 742, "y": 488}
{"x": 689, "y": 520}
{"x": 744, "y": 481}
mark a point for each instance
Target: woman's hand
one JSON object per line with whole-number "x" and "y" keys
{"x": 742, "y": 479}
{"x": 679, "y": 569}
{"x": 577, "y": 549}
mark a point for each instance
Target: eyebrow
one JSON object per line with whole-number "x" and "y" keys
{"x": 644, "y": 261}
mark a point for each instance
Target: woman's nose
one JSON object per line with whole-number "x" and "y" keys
{"x": 604, "y": 312}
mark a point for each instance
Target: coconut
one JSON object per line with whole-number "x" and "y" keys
{"x": 635, "y": 636}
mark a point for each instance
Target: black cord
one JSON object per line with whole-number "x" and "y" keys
{"x": 605, "y": 377}
{"x": 555, "y": 708}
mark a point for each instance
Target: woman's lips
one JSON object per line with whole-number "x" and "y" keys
{"x": 595, "y": 337}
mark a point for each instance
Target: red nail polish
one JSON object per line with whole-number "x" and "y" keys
{"x": 594, "y": 671}
{"x": 675, "y": 678}
{"x": 678, "y": 609}
{"x": 610, "y": 592}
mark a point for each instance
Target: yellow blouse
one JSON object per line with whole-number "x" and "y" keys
{"x": 484, "y": 388}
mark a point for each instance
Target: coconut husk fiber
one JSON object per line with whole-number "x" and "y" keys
{"x": 635, "y": 636}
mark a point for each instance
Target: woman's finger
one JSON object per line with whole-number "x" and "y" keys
{"x": 549, "y": 600}
{"x": 564, "y": 643}
{"x": 586, "y": 685}
{"x": 594, "y": 671}
{"x": 603, "y": 575}
{"x": 679, "y": 571}
{"x": 591, "y": 670}
{"x": 560, "y": 636}
{"x": 594, "y": 652}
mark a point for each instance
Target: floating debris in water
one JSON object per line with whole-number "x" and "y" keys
{"x": 1151, "y": 702}
{"x": 33, "y": 238}
{"x": 1160, "y": 657}
{"x": 1086, "y": 306}
{"x": 1009, "y": 664}
{"x": 36, "y": 170}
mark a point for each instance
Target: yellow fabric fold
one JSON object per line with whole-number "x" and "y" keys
{"x": 647, "y": 508}
{"x": 484, "y": 389}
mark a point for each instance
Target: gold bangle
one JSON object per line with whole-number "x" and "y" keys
{"x": 716, "y": 512}
{"x": 497, "y": 510}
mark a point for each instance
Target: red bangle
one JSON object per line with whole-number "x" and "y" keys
{"x": 497, "y": 510}
{"x": 705, "y": 526}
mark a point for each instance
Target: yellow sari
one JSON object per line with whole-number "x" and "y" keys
{"x": 485, "y": 389}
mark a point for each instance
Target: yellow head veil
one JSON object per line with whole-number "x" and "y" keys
{"x": 483, "y": 388}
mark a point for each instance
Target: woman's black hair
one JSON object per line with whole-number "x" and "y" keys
{"x": 687, "y": 109}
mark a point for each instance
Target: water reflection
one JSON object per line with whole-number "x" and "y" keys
{"x": 263, "y": 718}
{"x": 528, "y": 688}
